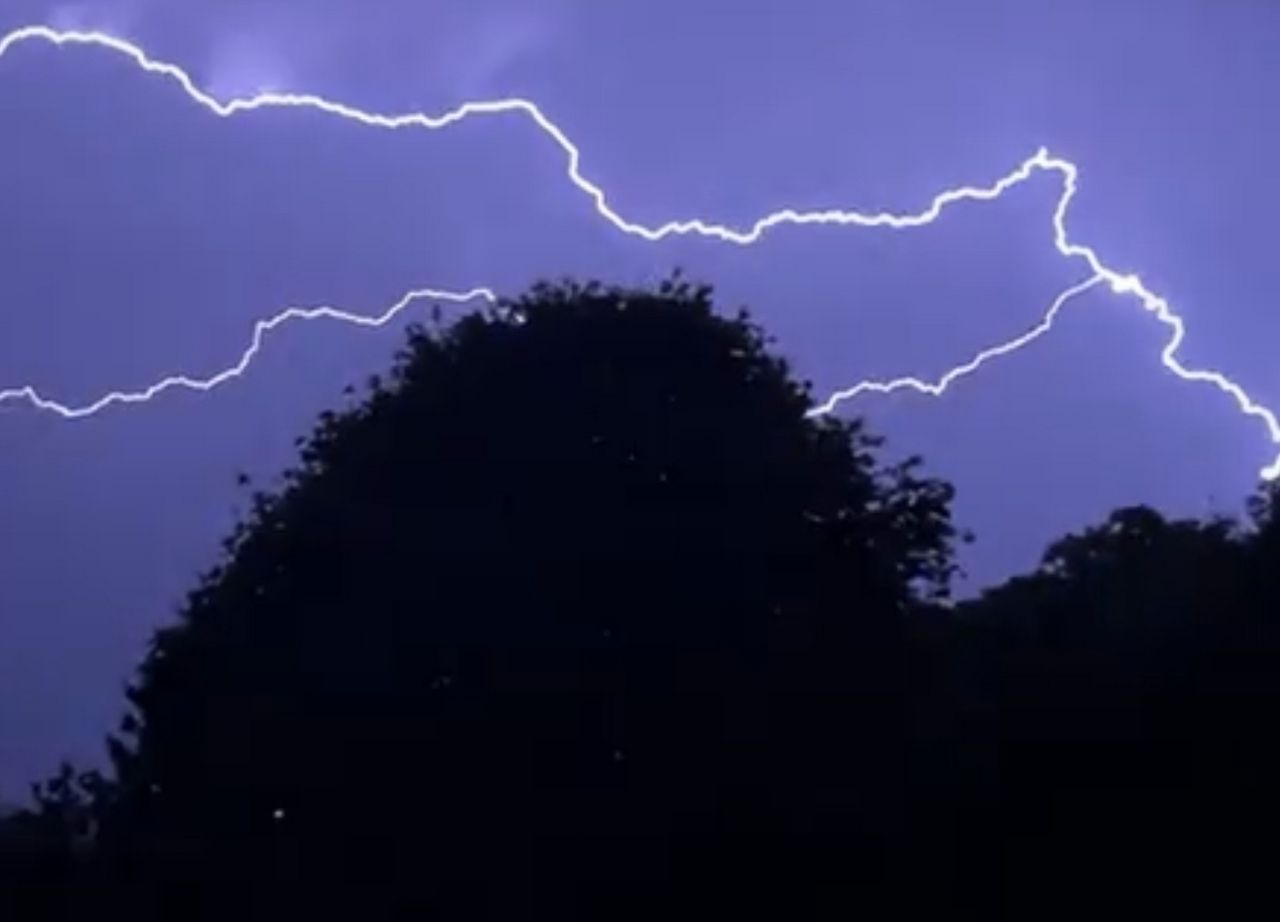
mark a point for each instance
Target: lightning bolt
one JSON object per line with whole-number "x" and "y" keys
{"x": 1041, "y": 161}
{"x": 939, "y": 387}
{"x": 260, "y": 331}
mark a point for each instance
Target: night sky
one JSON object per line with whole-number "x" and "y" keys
{"x": 142, "y": 236}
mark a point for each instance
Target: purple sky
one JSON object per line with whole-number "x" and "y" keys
{"x": 141, "y": 236}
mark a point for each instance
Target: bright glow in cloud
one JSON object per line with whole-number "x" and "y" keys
{"x": 241, "y": 64}
{"x": 1041, "y": 161}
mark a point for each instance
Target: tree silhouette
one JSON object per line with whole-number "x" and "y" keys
{"x": 580, "y": 612}
{"x": 577, "y": 610}
{"x": 1132, "y": 693}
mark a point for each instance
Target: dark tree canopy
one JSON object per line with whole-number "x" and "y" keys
{"x": 575, "y": 599}
{"x": 1133, "y": 685}
{"x": 579, "y": 614}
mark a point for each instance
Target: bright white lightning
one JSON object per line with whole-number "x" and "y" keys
{"x": 260, "y": 330}
{"x": 939, "y": 387}
{"x": 1041, "y": 161}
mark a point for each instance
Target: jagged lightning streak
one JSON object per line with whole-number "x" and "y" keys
{"x": 260, "y": 330}
{"x": 939, "y": 387}
{"x": 1041, "y": 161}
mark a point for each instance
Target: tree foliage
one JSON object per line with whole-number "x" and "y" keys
{"x": 578, "y": 611}
{"x": 575, "y": 597}
{"x": 1132, "y": 685}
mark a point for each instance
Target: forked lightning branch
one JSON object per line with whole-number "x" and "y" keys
{"x": 1096, "y": 271}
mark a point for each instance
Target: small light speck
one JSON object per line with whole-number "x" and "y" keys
{"x": 278, "y": 814}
